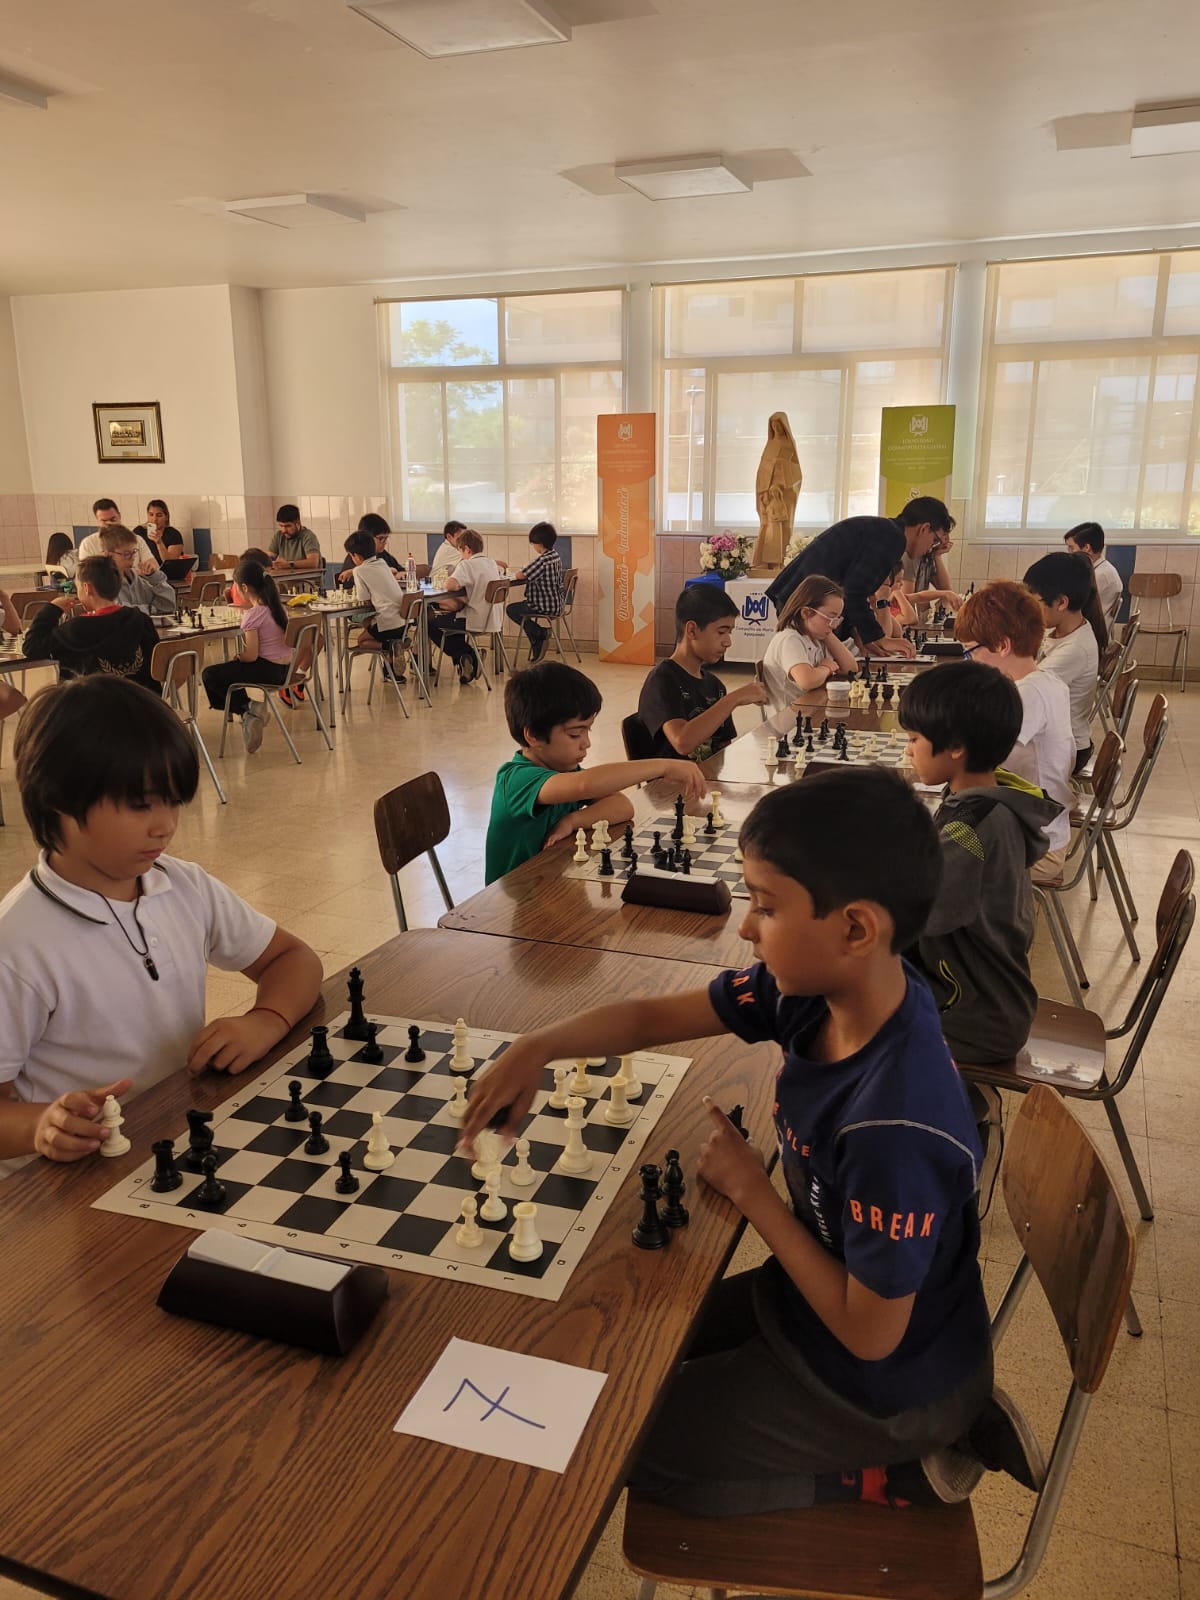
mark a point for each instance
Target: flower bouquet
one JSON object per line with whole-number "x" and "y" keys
{"x": 796, "y": 543}
{"x": 727, "y": 554}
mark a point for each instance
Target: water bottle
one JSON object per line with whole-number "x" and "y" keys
{"x": 410, "y": 576}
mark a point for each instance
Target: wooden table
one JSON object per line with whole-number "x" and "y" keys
{"x": 537, "y": 900}
{"x": 152, "y": 1458}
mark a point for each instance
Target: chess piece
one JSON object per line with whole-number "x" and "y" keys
{"x": 580, "y": 1083}
{"x": 798, "y": 764}
{"x": 627, "y": 846}
{"x": 633, "y": 861}
{"x": 677, "y": 830}
{"x": 487, "y": 1155}
{"x": 110, "y": 1117}
{"x": 808, "y": 746}
{"x": 769, "y": 758}
{"x": 211, "y": 1193}
{"x": 356, "y": 1028}
{"x": 710, "y": 826}
{"x": 414, "y": 1051}
{"x": 606, "y": 865}
{"x": 347, "y": 1183}
{"x": 461, "y": 1059}
{"x": 379, "y": 1152}
{"x": 689, "y": 830}
{"x": 295, "y": 1107}
{"x": 633, "y": 1084}
{"x": 576, "y": 1158}
{"x": 167, "y": 1175}
{"x": 581, "y": 849}
{"x": 316, "y": 1144}
{"x": 469, "y": 1234}
{"x": 618, "y": 1111}
{"x": 319, "y": 1060}
{"x": 456, "y": 1108}
{"x": 600, "y": 837}
{"x": 650, "y": 1233}
{"x": 735, "y": 1117}
{"x": 522, "y": 1175}
{"x": 493, "y": 1208}
{"x": 685, "y": 866}
{"x": 200, "y": 1139}
{"x": 737, "y": 853}
{"x": 371, "y": 1052}
{"x": 675, "y": 1213}
{"x": 888, "y": 691}
{"x": 523, "y": 1243}
{"x": 558, "y": 1097}
{"x": 781, "y": 748}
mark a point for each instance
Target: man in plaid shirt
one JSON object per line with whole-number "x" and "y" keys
{"x": 543, "y": 579}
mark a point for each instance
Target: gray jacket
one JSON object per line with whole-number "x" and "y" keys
{"x": 152, "y": 594}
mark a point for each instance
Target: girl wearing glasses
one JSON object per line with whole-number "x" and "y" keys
{"x": 805, "y": 651}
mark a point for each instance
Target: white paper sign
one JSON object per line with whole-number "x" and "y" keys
{"x": 499, "y": 1403}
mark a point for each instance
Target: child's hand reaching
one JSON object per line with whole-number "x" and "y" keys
{"x": 231, "y": 1044}
{"x": 686, "y": 775}
{"x": 729, "y": 1163}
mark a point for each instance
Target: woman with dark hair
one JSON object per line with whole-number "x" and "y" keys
{"x": 166, "y": 542}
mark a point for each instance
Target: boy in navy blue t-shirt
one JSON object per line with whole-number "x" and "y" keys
{"x": 856, "y": 1363}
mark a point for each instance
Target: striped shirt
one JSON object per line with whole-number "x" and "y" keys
{"x": 544, "y": 583}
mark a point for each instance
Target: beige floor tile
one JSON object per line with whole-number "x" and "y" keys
{"x": 1177, "y": 1243}
{"x": 1181, "y": 1355}
{"x": 1172, "y": 1108}
{"x": 1078, "y": 1565}
{"x": 1185, "y": 1453}
{"x": 608, "y": 1578}
{"x": 1173, "y": 1173}
{"x": 1189, "y": 1580}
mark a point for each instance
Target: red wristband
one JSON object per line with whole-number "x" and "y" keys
{"x": 287, "y": 1026}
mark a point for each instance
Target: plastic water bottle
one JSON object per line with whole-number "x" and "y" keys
{"x": 410, "y": 578}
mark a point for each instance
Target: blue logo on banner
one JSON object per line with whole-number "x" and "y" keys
{"x": 754, "y": 608}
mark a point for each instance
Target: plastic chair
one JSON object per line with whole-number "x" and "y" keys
{"x": 494, "y": 597}
{"x": 1076, "y": 1241}
{"x": 557, "y": 623}
{"x": 176, "y": 665}
{"x": 409, "y": 821}
{"x": 304, "y": 637}
{"x": 1164, "y": 587}
{"x": 635, "y": 736}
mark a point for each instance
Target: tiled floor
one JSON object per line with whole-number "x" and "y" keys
{"x": 298, "y": 841}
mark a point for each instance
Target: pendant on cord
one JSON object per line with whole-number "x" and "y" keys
{"x": 150, "y": 967}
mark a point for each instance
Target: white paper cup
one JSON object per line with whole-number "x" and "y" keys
{"x": 837, "y": 691}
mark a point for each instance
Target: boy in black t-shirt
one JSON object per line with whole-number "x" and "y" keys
{"x": 856, "y": 1363}
{"x": 684, "y": 704}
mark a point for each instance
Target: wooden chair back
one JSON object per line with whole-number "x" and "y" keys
{"x": 635, "y": 735}
{"x": 225, "y": 563}
{"x": 1181, "y": 880}
{"x": 496, "y": 592}
{"x": 175, "y": 663}
{"x": 422, "y": 571}
{"x": 1107, "y": 771}
{"x": 1123, "y": 696}
{"x": 1108, "y": 661}
{"x": 1155, "y": 724}
{"x": 27, "y": 602}
{"x": 1155, "y": 585}
{"x": 1071, "y": 1225}
{"x": 1132, "y": 623}
{"x": 205, "y": 590}
{"x": 570, "y": 584}
{"x": 411, "y": 819}
{"x": 305, "y": 638}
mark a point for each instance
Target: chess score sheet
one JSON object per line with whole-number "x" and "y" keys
{"x": 409, "y": 1214}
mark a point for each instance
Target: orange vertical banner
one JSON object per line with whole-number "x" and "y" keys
{"x": 625, "y": 558}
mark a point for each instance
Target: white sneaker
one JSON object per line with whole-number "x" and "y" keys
{"x": 252, "y": 728}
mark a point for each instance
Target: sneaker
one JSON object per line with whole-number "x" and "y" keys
{"x": 468, "y": 667}
{"x": 538, "y": 649}
{"x": 1004, "y": 1442}
{"x": 252, "y": 728}
{"x": 951, "y": 1473}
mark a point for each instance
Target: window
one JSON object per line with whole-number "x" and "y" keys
{"x": 493, "y": 404}
{"x": 830, "y": 351}
{"x": 1089, "y": 397}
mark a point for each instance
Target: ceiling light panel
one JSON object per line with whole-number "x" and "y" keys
{"x": 439, "y": 28}
{"x": 15, "y": 93}
{"x": 1165, "y": 131}
{"x": 682, "y": 177}
{"x": 296, "y": 210}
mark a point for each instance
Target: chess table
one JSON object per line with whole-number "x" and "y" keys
{"x": 148, "y": 1457}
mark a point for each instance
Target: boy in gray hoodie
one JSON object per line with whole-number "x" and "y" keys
{"x": 962, "y": 719}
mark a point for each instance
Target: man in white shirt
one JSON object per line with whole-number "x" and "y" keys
{"x": 108, "y": 515}
{"x": 1088, "y": 537}
{"x": 469, "y": 579}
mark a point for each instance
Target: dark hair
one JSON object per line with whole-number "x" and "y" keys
{"x": 98, "y": 738}
{"x": 544, "y": 534}
{"x": 57, "y": 546}
{"x": 807, "y": 596}
{"x": 100, "y": 572}
{"x": 1088, "y": 534}
{"x": 964, "y": 703}
{"x": 701, "y": 603}
{"x": 373, "y": 524}
{"x": 452, "y": 527}
{"x": 471, "y": 541}
{"x": 105, "y": 505}
{"x": 925, "y": 508}
{"x": 263, "y": 557}
{"x": 288, "y": 513}
{"x": 250, "y": 575}
{"x": 541, "y": 698}
{"x": 360, "y": 544}
{"x": 116, "y": 536}
{"x": 1069, "y": 573}
{"x": 159, "y": 505}
{"x": 856, "y": 835}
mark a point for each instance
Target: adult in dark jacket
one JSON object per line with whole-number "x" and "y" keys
{"x": 860, "y": 554}
{"x": 103, "y": 636}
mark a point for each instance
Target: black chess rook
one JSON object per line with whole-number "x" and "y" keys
{"x": 166, "y": 1174}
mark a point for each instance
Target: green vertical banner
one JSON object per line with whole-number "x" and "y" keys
{"x": 916, "y": 454}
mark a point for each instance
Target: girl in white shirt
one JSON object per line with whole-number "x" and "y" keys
{"x": 804, "y": 651}
{"x": 1075, "y": 634}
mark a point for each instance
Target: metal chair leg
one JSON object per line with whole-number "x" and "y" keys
{"x": 269, "y": 700}
{"x": 206, "y": 758}
{"x": 1064, "y": 959}
{"x": 398, "y": 900}
{"x": 1093, "y": 891}
{"x": 1133, "y": 1323}
{"x": 1106, "y": 867}
{"x": 1145, "y": 1209}
{"x": 314, "y": 702}
{"x": 1115, "y": 858}
{"x": 566, "y": 622}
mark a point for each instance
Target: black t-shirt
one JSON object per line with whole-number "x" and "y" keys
{"x": 670, "y": 694}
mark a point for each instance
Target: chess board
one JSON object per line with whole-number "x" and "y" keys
{"x": 883, "y": 749}
{"x": 406, "y": 1216}
{"x": 712, "y": 854}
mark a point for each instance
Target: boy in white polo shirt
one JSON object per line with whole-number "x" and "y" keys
{"x": 104, "y": 946}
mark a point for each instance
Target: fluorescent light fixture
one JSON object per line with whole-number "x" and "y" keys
{"x": 682, "y": 178}
{"x": 438, "y": 28}
{"x": 1165, "y": 131}
{"x": 15, "y": 93}
{"x": 296, "y": 210}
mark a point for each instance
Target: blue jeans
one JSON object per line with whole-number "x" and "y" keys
{"x": 523, "y": 613}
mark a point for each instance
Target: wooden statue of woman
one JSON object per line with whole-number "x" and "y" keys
{"x": 776, "y": 487}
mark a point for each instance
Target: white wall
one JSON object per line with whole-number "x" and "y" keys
{"x": 245, "y": 306}
{"x": 14, "y": 455}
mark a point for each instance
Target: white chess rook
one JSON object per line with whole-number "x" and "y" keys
{"x": 618, "y": 1111}
{"x": 576, "y": 1157}
{"x": 524, "y": 1244}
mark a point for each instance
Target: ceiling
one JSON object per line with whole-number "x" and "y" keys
{"x": 933, "y": 120}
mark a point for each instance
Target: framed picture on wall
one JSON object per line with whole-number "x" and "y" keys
{"x": 129, "y": 432}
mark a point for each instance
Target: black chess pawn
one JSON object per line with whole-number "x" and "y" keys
{"x": 656, "y": 844}
{"x": 873, "y": 693}
{"x": 735, "y": 1117}
{"x": 414, "y": 1051}
{"x": 709, "y": 825}
{"x": 319, "y": 1060}
{"x": 316, "y": 1144}
{"x": 627, "y": 847}
{"x": 211, "y": 1192}
{"x": 807, "y": 725}
{"x": 633, "y": 861}
{"x": 650, "y": 1233}
{"x": 356, "y": 1027}
{"x": 606, "y": 866}
{"x": 295, "y": 1107}
{"x": 372, "y": 1051}
{"x": 675, "y": 1213}
{"x": 669, "y": 861}
{"x": 200, "y": 1139}
{"x": 166, "y": 1174}
{"x": 889, "y": 690}
{"x": 843, "y": 753}
{"x": 781, "y": 747}
{"x": 808, "y": 746}
{"x": 685, "y": 866}
{"x": 347, "y": 1183}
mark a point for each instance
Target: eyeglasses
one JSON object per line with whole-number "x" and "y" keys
{"x": 969, "y": 650}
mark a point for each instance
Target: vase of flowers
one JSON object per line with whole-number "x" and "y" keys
{"x": 726, "y": 554}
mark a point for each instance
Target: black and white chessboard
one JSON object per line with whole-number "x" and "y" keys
{"x": 713, "y": 855}
{"x": 405, "y": 1217}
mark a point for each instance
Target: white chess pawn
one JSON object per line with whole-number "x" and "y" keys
{"x": 523, "y": 1243}
{"x": 737, "y": 853}
{"x": 379, "y": 1152}
{"x": 770, "y": 759}
{"x": 576, "y": 1157}
{"x": 469, "y": 1234}
{"x": 799, "y": 762}
{"x": 580, "y": 1082}
{"x": 558, "y": 1098}
{"x": 581, "y": 849}
{"x": 110, "y": 1115}
{"x": 618, "y": 1111}
{"x": 714, "y": 796}
{"x": 523, "y": 1174}
{"x": 456, "y": 1109}
{"x": 487, "y": 1151}
{"x": 493, "y": 1208}
{"x": 633, "y": 1084}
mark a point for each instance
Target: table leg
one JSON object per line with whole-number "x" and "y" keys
{"x": 330, "y": 703}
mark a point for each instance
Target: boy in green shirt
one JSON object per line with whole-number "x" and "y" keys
{"x": 543, "y": 794}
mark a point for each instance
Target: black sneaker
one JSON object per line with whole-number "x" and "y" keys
{"x": 1004, "y": 1442}
{"x": 538, "y": 649}
{"x": 468, "y": 667}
